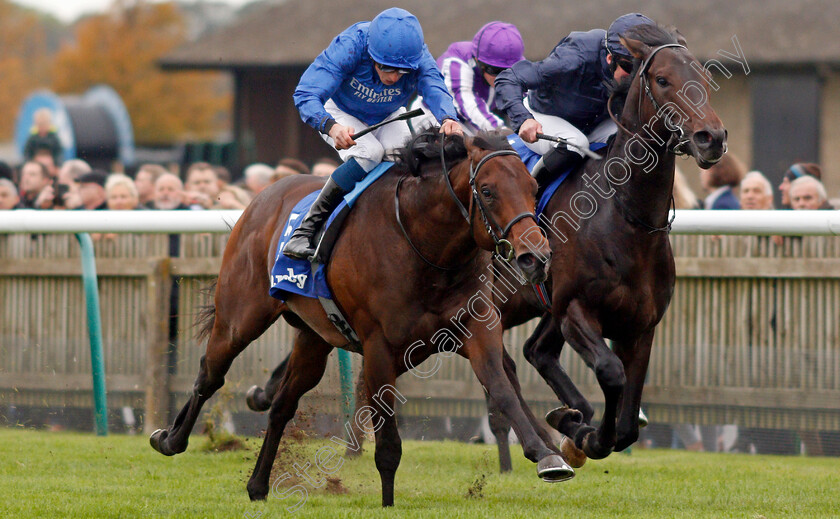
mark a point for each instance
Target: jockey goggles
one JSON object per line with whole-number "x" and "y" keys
{"x": 490, "y": 69}
{"x": 388, "y": 69}
{"x": 625, "y": 64}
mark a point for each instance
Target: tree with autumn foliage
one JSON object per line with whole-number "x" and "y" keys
{"x": 121, "y": 49}
{"x": 24, "y": 60}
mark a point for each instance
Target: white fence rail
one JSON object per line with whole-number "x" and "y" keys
{"x": 788, "y": 223}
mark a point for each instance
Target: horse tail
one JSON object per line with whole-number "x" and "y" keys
{"x": 206, "y": 317}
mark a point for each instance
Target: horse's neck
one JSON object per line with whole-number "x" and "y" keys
{"x": 648, "y": 191}
{"x": 433, "y": 221}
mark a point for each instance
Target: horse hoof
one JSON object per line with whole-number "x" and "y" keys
{"x": 574, "y": 456}
{"x": 255, "y": 494}
{"x": 553, "y": 469}
{"x": 564, "y": 419}
{"x": 643, "y": 419}
{"x": 255, "y": 398}
{"x": 158, "y": 442}
{"x": 593, "y": 449}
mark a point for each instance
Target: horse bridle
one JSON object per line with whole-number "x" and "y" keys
{"x": 678, "y": 136}
{"x": 504, "y": 248}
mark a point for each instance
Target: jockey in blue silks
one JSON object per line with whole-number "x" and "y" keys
{"x": 365, "y": 76}
{"x": 470, "y": 69}
{"x": 567, "y": 94}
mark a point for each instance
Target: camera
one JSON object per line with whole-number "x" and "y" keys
{"x": 59, "y": 191}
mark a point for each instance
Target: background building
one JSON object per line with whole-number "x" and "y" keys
{"x": 780, "y": 106}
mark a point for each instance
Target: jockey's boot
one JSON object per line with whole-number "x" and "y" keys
{"x": 300, "y": 245}
{"x": 553, "y": 163}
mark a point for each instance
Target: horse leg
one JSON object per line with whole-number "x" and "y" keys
{"x": 584, "y": 334}
{"x": 232, "y": 333}
{"x": 488, "y": 365}
{"x": 542, "y": 350}
{"x": 259, "y": 399}
{"x": 305, "y": 368}
{"x": 500, "y": 427}
{"x": 635, "y": 356}
{"x": 380, "y": 374}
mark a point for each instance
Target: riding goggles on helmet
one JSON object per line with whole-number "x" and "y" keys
{"x": 490, "y": 69}
{"x": 625, "y": 64}
{"x": 387, "y": 69}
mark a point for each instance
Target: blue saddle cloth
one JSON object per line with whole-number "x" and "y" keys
{"x": 294, "y": 276}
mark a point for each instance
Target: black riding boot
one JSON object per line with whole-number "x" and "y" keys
{"x": 553, "y": 163}
{"x": 300, "y": 245}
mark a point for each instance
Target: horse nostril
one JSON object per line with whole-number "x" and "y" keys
{"x": 703, "y": 139}
{"x": 526, "y": 261}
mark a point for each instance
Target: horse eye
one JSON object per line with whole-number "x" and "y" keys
{"x": 486, "y": 192}
{"x": 662, "y": 81}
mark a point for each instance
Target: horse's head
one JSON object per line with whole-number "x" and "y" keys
{"x": 670, "y": 92}
{"x": 502, "y": 205}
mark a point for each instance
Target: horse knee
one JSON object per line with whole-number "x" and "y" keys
{"x": 610, "y": 374}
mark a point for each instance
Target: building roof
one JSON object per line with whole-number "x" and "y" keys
{"x": 294, "y": 32}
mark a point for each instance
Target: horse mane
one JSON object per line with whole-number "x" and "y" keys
{"x": 425, "y": 148}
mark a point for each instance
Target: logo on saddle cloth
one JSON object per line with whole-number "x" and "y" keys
{"x": 298, "y": 279}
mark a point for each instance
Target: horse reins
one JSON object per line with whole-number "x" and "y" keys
{"x": 677, "y": 135}
{"x": 500, "y": 241}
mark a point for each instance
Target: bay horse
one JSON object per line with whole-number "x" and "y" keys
{"x": 398, "y": 277}
{"x": 612, "y": 269}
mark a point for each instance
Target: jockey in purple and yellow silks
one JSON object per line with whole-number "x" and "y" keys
{"x": 366, "y": 76}
{"x": 470, "y": 68}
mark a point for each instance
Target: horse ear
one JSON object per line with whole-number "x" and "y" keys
{"x": 472, "y": 149}
{"x": 637, "y": 48}
{"x": 679, "y": 36}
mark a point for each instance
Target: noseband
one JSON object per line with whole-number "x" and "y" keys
{"x": 504, "y": 248}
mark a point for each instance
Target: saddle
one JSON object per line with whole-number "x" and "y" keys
{"x": 289, "y": 275}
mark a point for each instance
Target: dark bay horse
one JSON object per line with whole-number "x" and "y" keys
{"x": 612, "y": 270}
{"x": 396, "y": 283}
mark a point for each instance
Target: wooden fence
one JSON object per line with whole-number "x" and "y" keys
{"x": 751, "y": 336}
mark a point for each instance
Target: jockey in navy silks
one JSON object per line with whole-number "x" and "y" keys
{"x": 567, "y": 94}
{"x": 366, "y": 76}
{"x": 470, "y": 69}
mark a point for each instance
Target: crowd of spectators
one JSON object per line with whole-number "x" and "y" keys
{"x": 728, "y": 185}
{"x": 38, "y": 184}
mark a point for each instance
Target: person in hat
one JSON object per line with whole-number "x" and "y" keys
{"x": 567, "y": 94}
{"x": 366, "y": 76}
{"x": 92, "y": 190}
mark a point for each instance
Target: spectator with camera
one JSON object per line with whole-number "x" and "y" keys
{"x": 36, "y": 186}
{"x": 201, "y": 186}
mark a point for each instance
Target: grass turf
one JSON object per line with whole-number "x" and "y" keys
{"x": 47, "y": 475}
